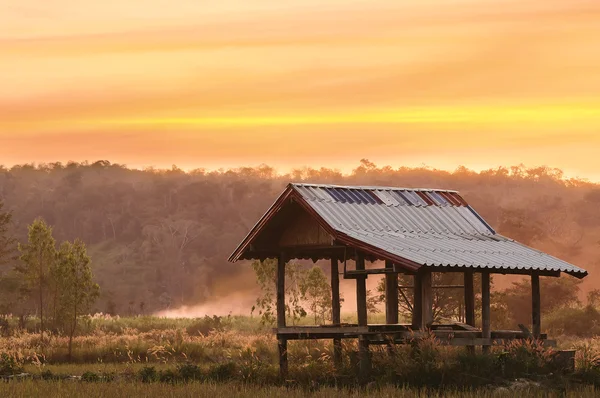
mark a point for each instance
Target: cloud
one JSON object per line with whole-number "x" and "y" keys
{"x": 200, "y": 81}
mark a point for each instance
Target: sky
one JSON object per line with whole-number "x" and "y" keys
{"x": 292, "y": 83}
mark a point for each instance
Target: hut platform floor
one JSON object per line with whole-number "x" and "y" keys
{"x": 449, "y": 334}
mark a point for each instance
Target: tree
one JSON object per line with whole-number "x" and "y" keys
{"x": 76, "y": 290}
{"x": 317, "y": 292}
{"x": 38, "y": 257}
{"x": 7, "y": 241}
{"x": 514, "y": 303}
{"x": 9, "y": 283}
{"x": 266, "y": 276}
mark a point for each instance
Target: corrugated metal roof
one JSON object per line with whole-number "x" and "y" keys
{"x": 428, "y": 227}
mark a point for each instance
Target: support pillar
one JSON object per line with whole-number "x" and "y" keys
{"x": 417, "y": 314}
{"x": 336, "y": 309}
{"x": 423, "y": 300}
{"x": 361, "y": 307}
{"x": 282, "y": 342}
{"x": 391, "y": 296}
{"x": 391, "y": 300}
{"x": 536, "y": 306}
{"x": 361, "y": 291}
{"x": 485, "y": 308}
{"x": 427, "y": 299}
{"x": 469, "y": 303}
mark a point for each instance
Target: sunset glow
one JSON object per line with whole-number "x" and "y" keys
{"x": 231, "y": 83}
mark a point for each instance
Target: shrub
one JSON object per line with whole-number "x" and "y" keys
{"x": 90, "y": 377}
{"x": 189, "y": 372}
{"x": 223, "y": 372}
{"x": 523, "y": 357}
{"x": 148, "y": 374}
{"x": 47, "y": 375}
{"x": 5, "y": 329}
{"x": 582, "y": 322}
{"x": 10, "y": 364}
{"x": 168, "y": 376}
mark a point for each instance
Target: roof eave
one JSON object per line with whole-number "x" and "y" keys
{"x": 237, "y": 253}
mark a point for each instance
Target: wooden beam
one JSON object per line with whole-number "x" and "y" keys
{"x": 336, "y": 309}
{"x": 461, "y": 342}
{"x": 281, "y": 290}
{"x": 536, "y": 311}
{"x": 485, "y": 307}
{"x": 364, "y": 358}
{"x": 361, "y": 306}
{"x": 469, "y": 299}
{"x": 361, "y": 291}
{"x": 427, "y": 299}
{"x": 417, "y": 312}
{"x": 434, "y": 287}
{"x": 469, "y": 303}
{"x": 282, "y": 342}
{"x": 500, "y": 271}
{"x": 283, "y": 358}
{"x": 391, "y": 295}
{"x": 335, "y": 292}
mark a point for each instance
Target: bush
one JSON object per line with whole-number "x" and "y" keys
{"x": 148, "y": 374}
{"x": 10, "y": 365}
{"x": 223, "y": 372}
{"x": 582, "y": 322}
{"x": 90, "y": 377}
{"x": 168, "y": 376}
{"x": 47, "y": 375}
{"x": 5, "y": 329}
{"x": 522, "y": 358}
{"x": 189, "y": 372}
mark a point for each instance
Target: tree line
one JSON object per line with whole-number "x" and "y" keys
{"x": 160, "y": 239}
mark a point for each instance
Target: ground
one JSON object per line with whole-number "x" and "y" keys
{"x": 224, "y": 356}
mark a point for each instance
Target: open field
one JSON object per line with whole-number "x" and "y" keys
{"x": 211, "y": 390}
{"x": 213, "y": 356}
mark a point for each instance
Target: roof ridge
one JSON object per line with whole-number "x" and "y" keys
{"x": 370, "y": 187}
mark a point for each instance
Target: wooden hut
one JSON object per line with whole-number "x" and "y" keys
{"x": 411, "y": 231}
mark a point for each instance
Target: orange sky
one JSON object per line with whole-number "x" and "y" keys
{"x": 223, "y": 83}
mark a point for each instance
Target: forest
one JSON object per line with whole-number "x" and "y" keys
{"x": 160, "y": 239}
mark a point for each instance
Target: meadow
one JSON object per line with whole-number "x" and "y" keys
{"x": 236, "y": 355}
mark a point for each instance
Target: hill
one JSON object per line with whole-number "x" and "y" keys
{"x": 160, "y": 238}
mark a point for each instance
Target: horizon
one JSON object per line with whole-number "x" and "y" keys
{"x": 348, "y": 170}
{"x": 293, "y": 83}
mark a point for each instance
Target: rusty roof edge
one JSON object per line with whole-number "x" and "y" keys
{"x": 371, "y": 187}
{"x": 237, "y": 253}
{"x": 579, "y": 273}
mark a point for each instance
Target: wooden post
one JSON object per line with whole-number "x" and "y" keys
{"x": 283, "y": 358}
{"x": 282, "y": 342}
{"x": 391, "y": 296}
{"x": 427, "y": 299}
{"x": 469, "y": 303}
{"x": 391, "y": 300}
{"x": 485, "y": 308}
{"x": 336, "y": 309}
{"x": 536, "y": 306}
{"x": 422, "y": 308}
{"x": 361, "y": 291}
{"x": 361, "y": 307}
{"x": 417, "y": 302}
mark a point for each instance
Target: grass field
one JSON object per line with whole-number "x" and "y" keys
{"x": 202, "y": 390}
{"x": 147, "y": 356}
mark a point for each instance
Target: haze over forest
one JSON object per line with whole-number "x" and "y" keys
{"x": 159, "y": 239}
